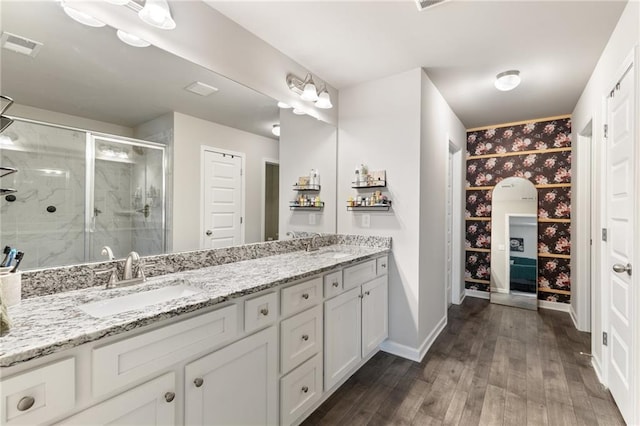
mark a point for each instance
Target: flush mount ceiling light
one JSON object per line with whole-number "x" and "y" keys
{"x": 507, "y": 80}
{"x": 131, "y": 39}
{"x": 276, "y": 129}
{"x": 156, "y": 13}
{"x": 82, "y": 17}
{"x": 308, "y": 91}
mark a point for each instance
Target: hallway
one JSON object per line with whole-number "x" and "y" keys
{"x": 491, "y": 365}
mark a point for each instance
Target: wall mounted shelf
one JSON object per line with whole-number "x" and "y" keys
{"x": 375, "y": 207}
{"x": 299, "y": 207}
{"x": 367, "y": 185}
{"x": 303, "y": 188}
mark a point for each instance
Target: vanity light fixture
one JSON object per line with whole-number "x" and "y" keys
{"x": 276, "y": 129}
{"x": 131, "y": 39}
{"x": 283, "y": 105}
{"x": 308, "y": 91}
{"x": 507, "y": 80}
{"x": 82, "y": 17}
{"x": 157, "y": 14}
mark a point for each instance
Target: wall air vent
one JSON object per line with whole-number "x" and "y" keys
{"x": 20, "y": 44}
{"x": 424, "y": 4}
{"x": 200, "y": 88}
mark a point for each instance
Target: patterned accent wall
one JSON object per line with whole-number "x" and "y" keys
{"x": 541, "y": 152}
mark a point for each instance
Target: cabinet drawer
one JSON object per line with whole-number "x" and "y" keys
{"x": 300, "y": 337}
{"x": 332, "y": 284}
{"x": 151, "y": 403}
{"x": 382, "y": 265}
{"x": 301, "y": 296}
{"x": 260, "y": 311}
{"x": 358, "y": 274}
{"x": 38, "y": 395}
{"x": 300, "y": 389}
{"x": 118, "y": 364}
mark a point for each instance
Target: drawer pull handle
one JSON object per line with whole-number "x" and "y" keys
{"x": 305, "y": 296}
{"x": 25, "y": 403}
{"x": 305, "y": 337}
{"x": 198, "y": 382}
{"x": 335, "y": 284}
{"x": 305, "y": 389}
{"x": 169, "y": 396}
{"x": 366, "y": 293}
{"x": 264, "y": 312}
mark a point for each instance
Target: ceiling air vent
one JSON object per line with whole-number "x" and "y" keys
{"x": 424, "y": 4}
{"x": 200, "y": 88}
{"x": 20, "y": 44}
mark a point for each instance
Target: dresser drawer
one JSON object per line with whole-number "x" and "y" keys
{"x": 260, "y": 311}
{"x": 359, "y": 274}
{"x": 332, "y": 284}
{"x": 300, "y": 389}
{"x": 301, "y": 296}
{"x": 300, "y": 338}
{"x": 382, "y": 265}
{"x": 38, "y": 395}
{"x": 117, "y": 364}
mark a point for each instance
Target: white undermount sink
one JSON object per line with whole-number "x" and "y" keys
{"x": 330, "y": 254}
{"x": 135, "y": 301}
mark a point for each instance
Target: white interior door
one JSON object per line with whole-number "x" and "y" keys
{"x": 620, "y": 193}
{"x": 222, "y": 200}
{"x": 449, "y": 238}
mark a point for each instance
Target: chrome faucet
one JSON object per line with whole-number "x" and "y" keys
{"x": 128, "y": 277}
{"x": 311, "y": 246}
{"x": 132, "y": 258}
{"x": 292, "y": 234}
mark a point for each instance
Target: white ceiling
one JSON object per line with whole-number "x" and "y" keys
{"x": 88, "y": 72}
{"x": 461, "y": 44}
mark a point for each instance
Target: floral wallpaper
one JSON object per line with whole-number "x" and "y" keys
{"x": 540, "y": 152}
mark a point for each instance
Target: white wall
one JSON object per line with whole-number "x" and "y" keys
{"x": 190, "y": 134}
{"x": 529, "y": 234}
{"x": 402, "y": 124}
{"x": 590, "y": 107}
{"x": 439, "y": 128}
{"x": 305, "y": 144}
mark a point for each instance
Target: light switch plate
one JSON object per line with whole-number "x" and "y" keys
{"x": 366, "y": 220}
{"x": 312, "y": 218}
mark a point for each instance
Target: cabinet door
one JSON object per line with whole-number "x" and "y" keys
{"x": 375, "y": 315}
{"x": 237, "y": 385}
{"x": 149, "y": 404}
{"x": 342, "y": 316}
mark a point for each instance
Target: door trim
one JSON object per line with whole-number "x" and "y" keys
{"x": 243, "y": 187}
{"x": 457, "y": 223}
{"x": 263, "y": 197}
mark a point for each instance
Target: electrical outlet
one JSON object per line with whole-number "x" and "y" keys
{"x": 366, "y": 220}
{"x": 312, "y": 218}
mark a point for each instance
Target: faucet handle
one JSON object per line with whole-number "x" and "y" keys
{"x": 113, "y": 278}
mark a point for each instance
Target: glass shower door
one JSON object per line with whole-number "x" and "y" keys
{"x": 127, "y": 208}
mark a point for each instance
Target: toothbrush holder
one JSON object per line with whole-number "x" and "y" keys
{"x": 11, "y": 287}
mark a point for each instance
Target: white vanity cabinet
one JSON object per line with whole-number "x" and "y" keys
{"x": 356, "y": 321}
{"x": 236, "y": 385}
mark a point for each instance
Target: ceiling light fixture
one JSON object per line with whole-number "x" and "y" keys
{"x": 307, "y": 90}
{"x": 283, "y": 105}
{"x": 131, "y": 39}
{"x": 276, "y": 130}
{"x": 82, "y": 17}
{"x": 507, "y": 80}
{"x": 157, "y": 13}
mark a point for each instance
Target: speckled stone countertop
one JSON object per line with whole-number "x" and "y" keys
{"x": 52, "y": 323}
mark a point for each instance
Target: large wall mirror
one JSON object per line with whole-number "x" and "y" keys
{"x": 109, "y": 144}
{"x": 514, "y": 244}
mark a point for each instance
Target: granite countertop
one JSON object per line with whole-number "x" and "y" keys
{"x": 48, "y": 324}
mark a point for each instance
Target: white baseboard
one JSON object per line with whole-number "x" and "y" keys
{"x": 410, "y": 353}
{"x": 574, "y": 317}
{"x": 595, "y": 363}
{"x": 554, "y": 306}
{"x": 478, "y": 294}
{"x": 462, "y": 296}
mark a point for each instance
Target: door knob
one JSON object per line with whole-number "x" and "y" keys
{"x": 619, "y": 268}
{"x": 208, "y": 233}
{"x": 198, "y": 382}
{"x": 169, "y": 396}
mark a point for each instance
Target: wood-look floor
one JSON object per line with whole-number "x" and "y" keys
{"x": 492, "y": 365}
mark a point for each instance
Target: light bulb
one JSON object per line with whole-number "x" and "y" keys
{"x": 297, "y": 111}
{"x": 276, "y": 129}
{"x": 283, "y": 105}
{"x": 309, "y": 93}
{"x": 324, "y": 101}
{"x": 131, "y": 39}
{"x": 157, "y": 14}
{"x": 82, "y": 17}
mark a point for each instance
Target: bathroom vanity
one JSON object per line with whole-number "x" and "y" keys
{"x": 261, "y": 341}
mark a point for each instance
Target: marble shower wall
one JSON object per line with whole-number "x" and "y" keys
{"x": 539, "y": 151}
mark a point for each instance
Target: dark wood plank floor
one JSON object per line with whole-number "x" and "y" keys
{"x": 492, "y": 365}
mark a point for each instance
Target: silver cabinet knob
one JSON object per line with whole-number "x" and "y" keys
{"x": 25, "y": 403}
{"x": 198, "y": 382}
{"x": 305, "y": 389}
{"x": 305, "y": 337}
{"x": 208, "y": 233}
{"x": 366, "y": 293}
{"x": 622, "y": 268}
{"x": 361, "y": 296}
{"x": 264, "y": 311}
{"x": 335, "y": 284}
{"x": 383, "y": 265}
{"x": 305, "y": 296}
{"x": 169, "y": 396}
